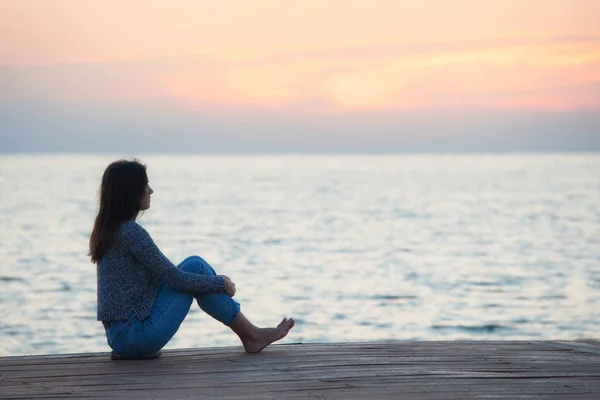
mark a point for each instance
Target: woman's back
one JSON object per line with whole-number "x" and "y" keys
{"x": 124, "y": 285}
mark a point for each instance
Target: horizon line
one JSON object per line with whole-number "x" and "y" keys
{"x": 306, "y": 153}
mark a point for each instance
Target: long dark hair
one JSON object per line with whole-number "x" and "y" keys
{"x": 123, "y": 184}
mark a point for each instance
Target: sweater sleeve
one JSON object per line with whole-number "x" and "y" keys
{"x": 147, "y": 252}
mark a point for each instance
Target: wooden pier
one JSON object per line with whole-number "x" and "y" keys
{"x": 388, "y": 370}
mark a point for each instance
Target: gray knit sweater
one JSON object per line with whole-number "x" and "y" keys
{"x": 129, "y": 273}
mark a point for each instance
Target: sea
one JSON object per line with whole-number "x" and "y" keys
{"x": 353, "y": 247}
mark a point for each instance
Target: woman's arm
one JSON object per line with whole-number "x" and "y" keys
{"x": 145, "y": 250}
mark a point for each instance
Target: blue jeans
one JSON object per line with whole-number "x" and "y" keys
{"x": 136, "y": 339}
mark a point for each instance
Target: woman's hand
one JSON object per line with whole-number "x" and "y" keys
{"x": 229, "y": 285}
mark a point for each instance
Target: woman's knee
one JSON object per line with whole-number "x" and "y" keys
{"x": 191, "y": 259}
{"x": 196, "y": 264}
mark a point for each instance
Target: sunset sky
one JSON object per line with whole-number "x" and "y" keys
{"x": 315, "y": 75}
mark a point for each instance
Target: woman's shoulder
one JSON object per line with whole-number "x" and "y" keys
{"x": 131, "y": 228}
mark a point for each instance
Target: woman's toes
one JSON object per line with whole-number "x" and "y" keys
{"x": 287, "y": 324}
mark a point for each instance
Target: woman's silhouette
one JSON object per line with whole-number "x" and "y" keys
{"x": 142, "y": 296}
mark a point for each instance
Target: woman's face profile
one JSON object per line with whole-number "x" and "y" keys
{"x": 145, "y": 200}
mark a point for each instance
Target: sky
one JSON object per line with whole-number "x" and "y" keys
{"x": 311, "y": 76}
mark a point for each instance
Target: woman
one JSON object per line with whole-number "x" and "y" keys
{"x": 142, "y": 296}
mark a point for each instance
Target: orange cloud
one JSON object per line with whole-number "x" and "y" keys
{"x": 350, "y": 55}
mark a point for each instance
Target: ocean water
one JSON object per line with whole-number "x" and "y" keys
{"x": 355, "y": 248}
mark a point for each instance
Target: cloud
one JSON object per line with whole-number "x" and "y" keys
{"x": 421, "y": 48}
{"x": 401, "y": 76}
{"x": 103, "y": 80}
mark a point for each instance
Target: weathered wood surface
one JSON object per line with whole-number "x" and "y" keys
{"x": 396, "y": 370}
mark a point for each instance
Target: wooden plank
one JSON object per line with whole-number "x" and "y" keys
{"x": 428, "y": 370}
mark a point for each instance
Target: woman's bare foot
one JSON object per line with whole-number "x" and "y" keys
{"x": 263, "y": 337}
